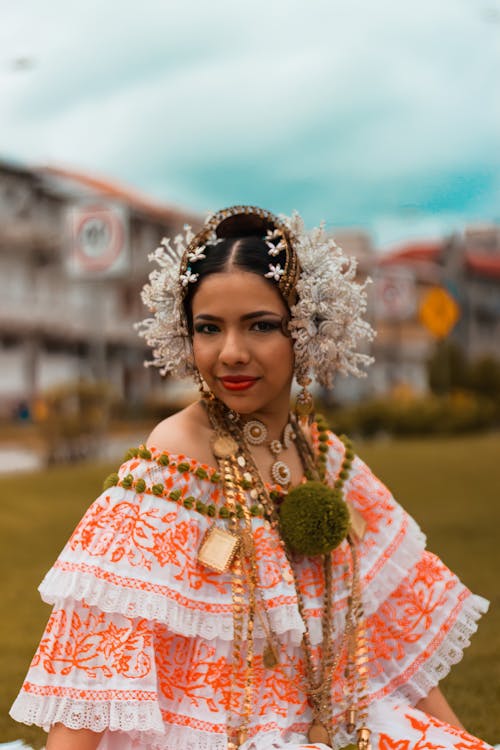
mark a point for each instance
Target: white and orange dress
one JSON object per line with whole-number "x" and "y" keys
{"x": 139, "y": 643}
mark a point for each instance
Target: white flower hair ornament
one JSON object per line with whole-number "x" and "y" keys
{"x": 167, "y": 331}
{"x": 316, "y": 279}
{"x": 327, "y": 322}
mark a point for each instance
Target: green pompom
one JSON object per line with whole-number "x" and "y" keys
{"x": 130, "y": 454}
{"x": 110, "y": 481}
{"x": 201, "y": 473}
{"x": 128, "y": 481}
{"x": 157, "y": 489}
{"x": 163, "y": 459}
{"x": 183, "y": 467}
{"x": 314, "y": 519}
{"x": 140, "y": 485}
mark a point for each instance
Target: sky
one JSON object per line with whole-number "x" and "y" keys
{"x": 384, "y": 116}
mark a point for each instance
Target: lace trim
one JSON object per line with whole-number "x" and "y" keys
{"x": 131, "y": 723}
{"x": 214, "y": 619}
{"x": 284, "y": 617}
{"x": 395, "y": 562}
{"x": 429, "y": 673}
{"x": 44, "y": 711}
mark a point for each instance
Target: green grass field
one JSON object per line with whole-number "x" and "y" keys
{"x": 451, "y": 486}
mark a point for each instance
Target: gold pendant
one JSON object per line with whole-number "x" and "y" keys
{"x": 218, "y": 549}
{"x": 319, "y": 733}
{"x": 357, "y": 522}
{"x": 224, "y": 446}
{"x": 364, "y": 739}
{"x": 270, "y": 657}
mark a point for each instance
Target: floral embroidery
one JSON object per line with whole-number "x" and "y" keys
{"x": 89, "y": 643}
{"x": 135, "y": 552}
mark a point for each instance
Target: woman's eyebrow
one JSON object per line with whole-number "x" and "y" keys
{"x": 248, "y": 316}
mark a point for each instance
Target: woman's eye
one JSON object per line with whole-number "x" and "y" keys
{"x": 266, "y": 325}
{"x": 205, "y": 328}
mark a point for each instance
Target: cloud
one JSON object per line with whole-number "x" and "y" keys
{"x": 341, "y": 108}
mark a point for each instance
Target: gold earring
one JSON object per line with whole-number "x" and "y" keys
{"x": 205, "y": 392}
{"x": 304, "y": 402}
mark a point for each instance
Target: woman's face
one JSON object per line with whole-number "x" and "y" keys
{"x": 238, "y": 342}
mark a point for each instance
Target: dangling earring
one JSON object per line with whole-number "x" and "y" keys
{"x": 304, "y": 403}
{"x": 205, "y": 392}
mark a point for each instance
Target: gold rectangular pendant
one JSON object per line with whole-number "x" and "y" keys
{"x": 218, "y": 549}
{"x": 358, "y": 523}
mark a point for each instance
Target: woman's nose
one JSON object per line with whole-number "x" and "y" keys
{"x": 234, "y": 350}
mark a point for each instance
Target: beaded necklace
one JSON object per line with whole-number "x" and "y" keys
{"x": 236, "y": 463}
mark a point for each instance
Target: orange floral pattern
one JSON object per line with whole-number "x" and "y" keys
{"x": 423, "y": 732}
{"x": 87, "y": 641}
{"x": 144, "y": 548}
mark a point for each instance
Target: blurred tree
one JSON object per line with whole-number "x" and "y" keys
{"x": 484, "y": 377}
{"x": 448, "y": 369}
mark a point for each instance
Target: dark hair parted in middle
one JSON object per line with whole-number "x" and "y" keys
{"x": 241, "y": 247}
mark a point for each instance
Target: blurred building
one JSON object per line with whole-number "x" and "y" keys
{"x": 73, "y": 258}
{"x": 427, "y": 290}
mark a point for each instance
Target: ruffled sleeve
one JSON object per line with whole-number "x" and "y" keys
{"x": 134, "y": 551}
{"x": 420, "y": 617}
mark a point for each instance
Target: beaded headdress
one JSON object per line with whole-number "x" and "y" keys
{"x": 316, "y": 280}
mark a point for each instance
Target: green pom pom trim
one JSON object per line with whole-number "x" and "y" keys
{"x": 144, "y": 452}
{"x": 314, "y": 520}
{"x": 201, "y": 473}
{"x": 110, "y": 481}
{"x": 157, "y": 489}
{"x": 131, "y": 453}
{"x": 183, "y": 467}
{"x": 127, "y": 481}
{"x": 215, "y": 477}
{"x": 163, "y": 459}
{"x": 140, "y": 485}
{"x": 175, "y": 495}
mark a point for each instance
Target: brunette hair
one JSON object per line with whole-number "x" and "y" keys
{"x": 241, "y": 246}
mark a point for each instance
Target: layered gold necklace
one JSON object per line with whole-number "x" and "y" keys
{"x": 233, "y": 549}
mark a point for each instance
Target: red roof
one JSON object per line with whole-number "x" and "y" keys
{"x": 413, "y": 251}
{"x": 133, "y": 198}
{"x": 483, "y": 265}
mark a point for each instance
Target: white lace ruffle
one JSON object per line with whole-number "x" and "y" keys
{"x": 178, "y": 618}
{"x": 44, "y": 711}
{"x": 395, "y": 567}
{"x": 135, "y": 603}
{"x": 138, "y": 583}
{"x": 448, "y": 653}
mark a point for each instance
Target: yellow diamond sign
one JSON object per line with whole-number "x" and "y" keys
{"x": 438, "y": 312}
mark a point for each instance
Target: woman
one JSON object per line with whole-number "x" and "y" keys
{"x": 244, "y": 580}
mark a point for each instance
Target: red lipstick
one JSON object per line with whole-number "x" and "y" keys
{"x": 237, "y": 382}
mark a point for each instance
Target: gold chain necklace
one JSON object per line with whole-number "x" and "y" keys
{"x": 236, "y": 460}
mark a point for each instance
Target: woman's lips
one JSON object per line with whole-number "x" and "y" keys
{"x": 237, "y": 382}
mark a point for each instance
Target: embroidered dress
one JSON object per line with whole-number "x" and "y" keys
{"x": 139, "y": 643}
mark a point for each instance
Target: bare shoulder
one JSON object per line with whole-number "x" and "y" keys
{"x": 187, "y": 432}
